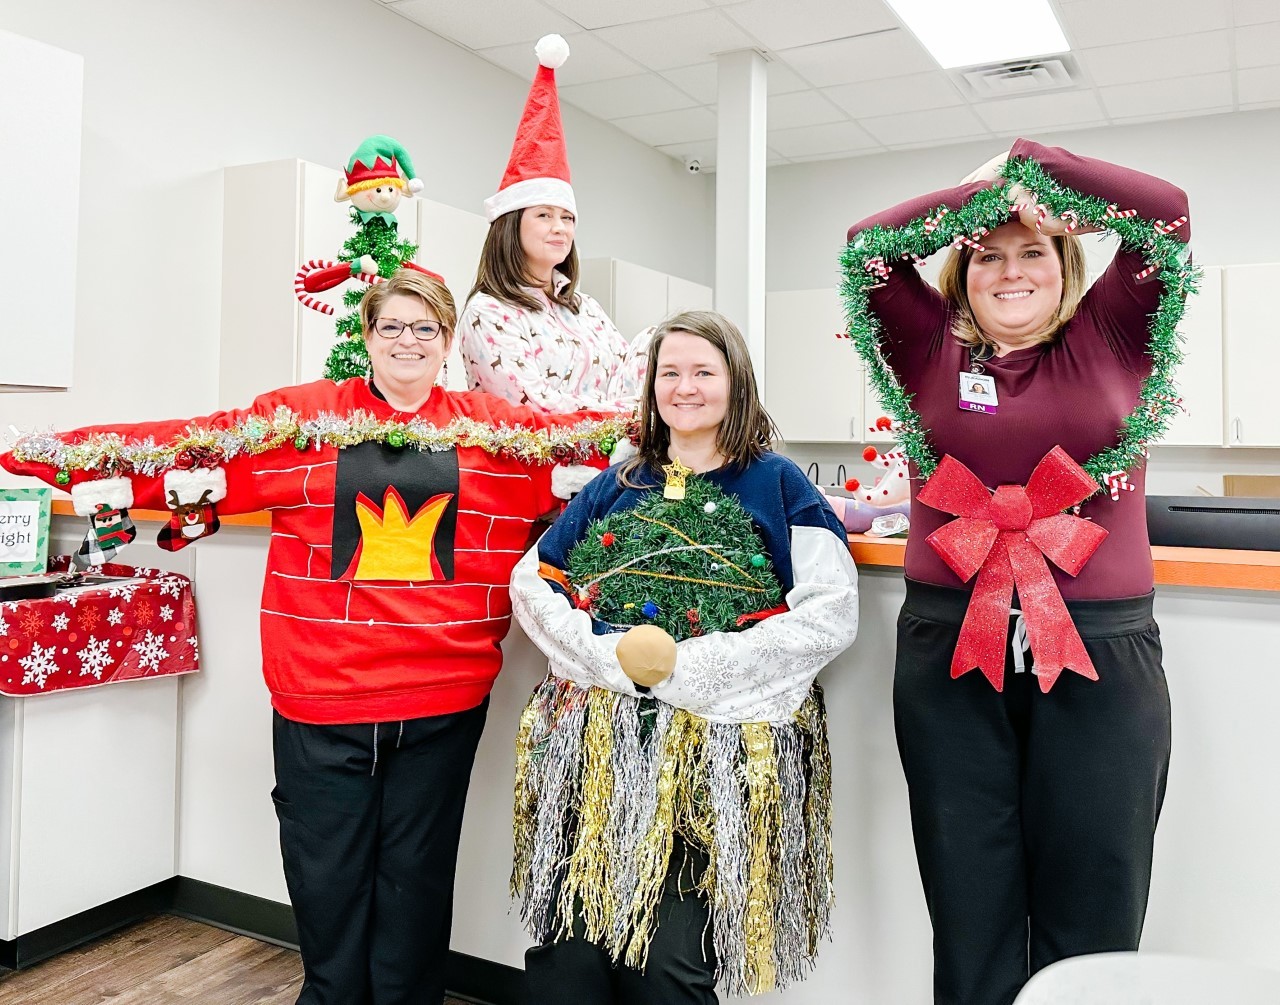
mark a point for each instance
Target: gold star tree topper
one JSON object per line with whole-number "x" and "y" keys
{"x": 676, "y": 474}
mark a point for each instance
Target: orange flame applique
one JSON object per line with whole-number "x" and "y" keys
{"x": 394, "y": 547}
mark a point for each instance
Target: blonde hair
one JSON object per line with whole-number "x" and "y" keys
{"x": 746, "y": 431}
{"x": 410, "y": 283}
{"x": 953, "y": 281}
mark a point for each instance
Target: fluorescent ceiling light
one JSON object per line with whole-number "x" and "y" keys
{"x": 968, "y": 32}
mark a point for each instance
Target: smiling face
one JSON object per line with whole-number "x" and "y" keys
{"x": 405, "y": 365}
{"x": 691, "y": 385}
{"x": 546, "y": 236}
{"x": 1015, "y": 286}
{"x": 383, "y": 198}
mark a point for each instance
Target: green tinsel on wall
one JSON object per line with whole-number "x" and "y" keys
{"x": 879, "y": 248}
{"x": 380, "y": 240}
{"x": 707, "y": 541}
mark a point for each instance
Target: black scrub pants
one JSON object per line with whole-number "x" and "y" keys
{"x": 1033, "y": 814}
{"x": 681, "y": 969}
{"x": 369, "y": 826}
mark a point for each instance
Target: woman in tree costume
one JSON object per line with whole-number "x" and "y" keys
{"x": 676, "y": 773}
{"x": 1034, "y": 795}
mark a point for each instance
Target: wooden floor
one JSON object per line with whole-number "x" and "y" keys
{"x": 162, "y": 961}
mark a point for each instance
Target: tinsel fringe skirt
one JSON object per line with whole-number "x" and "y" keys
{"x": 606, "y": 782}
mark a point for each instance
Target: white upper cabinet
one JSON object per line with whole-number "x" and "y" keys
{"x": 812, "y": 379}
{"x": 1200, "y": 375}
{"x": 40, "y": 110}
{"x": 1252, "y": 354}
{"x": 636, "y": 297}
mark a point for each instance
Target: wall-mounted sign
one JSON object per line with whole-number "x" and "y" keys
{"x": 24, "y": 531}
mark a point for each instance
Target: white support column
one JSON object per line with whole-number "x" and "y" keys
{"x": 740, "y": 194}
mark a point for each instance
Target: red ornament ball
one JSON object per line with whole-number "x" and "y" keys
{"x": 884, "y": 423}
{"x": 869, "y": 454}
{"x": 183, "y": 460}
{"x": 692, "y": 615}
{"x": 607, "y": 539}
{"x": 852, "y": 485}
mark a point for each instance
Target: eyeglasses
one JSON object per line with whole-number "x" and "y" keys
{"x": 423, "y": 331}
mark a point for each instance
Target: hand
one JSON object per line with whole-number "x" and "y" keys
{"x": 990, "y": 171}
{"x": 647, "y": 655}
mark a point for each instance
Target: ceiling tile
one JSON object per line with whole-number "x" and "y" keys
{"x": 602, "y": 13}
{"x": 838, "y": 155}
{"x": 677, "y": 41}
{"x": 917, "y": 127}
{"x": 801, "y": 108}
{"x": 783, "y": 79}
{"x": 1259, "y": 44}
{"x": 589, "y": 60}
{"x": 481, "y": 24}
{"x": 1093, "y": 23}
{"x": 913, "y": 93}
{"x": 1182, "y": 94}
{"x": 640, "y": 95}
{"x": 885, "y": 54}
{"x": 698, "y": 81}
{"x": 1256, "y": 11}
{"x": 1258, "y": 85}
{"x": 666, "y": 128}
{"x": 1158, "y": 59}
{"x": 834, "y": 136}
{"x": 1042, "y": 111}
{"x": 704, "y": 151}
{"x": 804, "y": 22}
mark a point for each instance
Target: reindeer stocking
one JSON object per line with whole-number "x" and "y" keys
{"x": 192, "y": 495}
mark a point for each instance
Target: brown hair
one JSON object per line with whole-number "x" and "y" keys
{"x": 503, "y": 273}
{"x": 746, "y": 432}
{"x": 953, "y": 281}
{"x": 410, "y": 283}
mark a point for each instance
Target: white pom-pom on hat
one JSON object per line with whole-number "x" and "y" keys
{"x": 415, "y": 185}
{"x": 552, "y": 51}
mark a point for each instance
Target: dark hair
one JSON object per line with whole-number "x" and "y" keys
{"x": 746, "y": 432}
{"x": 503, "y": 273}
{"x": 410, "y": 283}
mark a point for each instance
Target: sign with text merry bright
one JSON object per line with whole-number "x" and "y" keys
{"x": 24, "y": 531}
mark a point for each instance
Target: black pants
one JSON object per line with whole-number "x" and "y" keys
{"x": 681, "y": 969}
{"x": 1033, "y": 814}
{"x": 369, "y": 826}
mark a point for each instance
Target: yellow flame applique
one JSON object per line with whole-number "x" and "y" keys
{"x": 394, "y": 547}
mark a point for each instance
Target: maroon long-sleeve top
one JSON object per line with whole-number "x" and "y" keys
{"x": 1074, "y": 391}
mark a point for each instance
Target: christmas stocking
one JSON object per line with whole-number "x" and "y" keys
{"x": 106, "y": 503}
{"x": 192, "y": 495}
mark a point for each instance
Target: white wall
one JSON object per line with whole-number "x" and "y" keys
{"x": 176, "y": 91}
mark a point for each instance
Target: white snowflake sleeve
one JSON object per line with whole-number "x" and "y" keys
{"x": 564, "y": 633}
{"x": 627, "y": 381}
{"x": 763, "y": 674}
{"x": 497, "y": 345}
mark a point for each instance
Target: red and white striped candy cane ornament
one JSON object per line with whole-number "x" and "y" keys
{"x": 1117, "y": 482}
{"x": 318, "y": 265}
{"x": 1114, "y": 213}
{"x": 931, "y": 223}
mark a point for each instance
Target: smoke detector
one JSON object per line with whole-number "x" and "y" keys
{"x": 1016, "y": 78}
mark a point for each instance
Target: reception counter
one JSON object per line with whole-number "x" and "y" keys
{"x": 1217, "y": 879}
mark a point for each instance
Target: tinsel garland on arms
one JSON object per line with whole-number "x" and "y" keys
{"x": 600, "y": 802}
{"x": 109, "y": 454}
{"x": 874, "y": 253}
{"x": 689, "y": 566}
{"x": 381, "y": 241}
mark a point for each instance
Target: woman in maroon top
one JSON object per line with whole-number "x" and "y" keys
{"x": 1033, "y": 813}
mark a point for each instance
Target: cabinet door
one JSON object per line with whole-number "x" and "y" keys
{"x": 449, "y": 242}
{"x": 639, "y": 298}
{"x": 812, "y": 379}
{"x": 1252, "y": 350}
{"x": 682, "y": 295}
{"x": 1200, "y": 376}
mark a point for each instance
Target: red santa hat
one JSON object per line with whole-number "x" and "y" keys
{"x": 538, "y": 171}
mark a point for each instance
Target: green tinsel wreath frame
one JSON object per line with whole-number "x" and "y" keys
{"x": 985, "y": 211}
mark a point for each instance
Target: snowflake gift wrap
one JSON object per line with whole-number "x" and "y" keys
{"x": 141, "y": 627}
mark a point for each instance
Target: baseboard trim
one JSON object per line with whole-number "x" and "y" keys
{"x": 468, "y": 977}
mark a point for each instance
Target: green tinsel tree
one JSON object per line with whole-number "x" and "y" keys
{"x": 689, "y": 566}
{"x": 378, "y": 239}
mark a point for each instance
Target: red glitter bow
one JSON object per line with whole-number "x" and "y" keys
{"x": 1004, "y": 538}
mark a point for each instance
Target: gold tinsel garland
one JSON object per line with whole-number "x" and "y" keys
{"x": 109, "y": 454}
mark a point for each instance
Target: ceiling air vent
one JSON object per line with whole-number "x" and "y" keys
{"x": 1015, "y": 78}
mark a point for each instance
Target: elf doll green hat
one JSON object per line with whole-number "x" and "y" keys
{"x": 538, "y": 171}
{"x": 378, "y": 160}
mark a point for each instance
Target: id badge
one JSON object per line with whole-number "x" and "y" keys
{"x": 978, "y": 393}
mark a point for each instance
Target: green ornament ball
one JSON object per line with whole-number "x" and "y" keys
{"x": 757, "y": 561}
{"x": 395, "y": 439}
{"x": 300, "y": 441}
{"x": 607, "y": 445}
{"x": 62, "y": 478}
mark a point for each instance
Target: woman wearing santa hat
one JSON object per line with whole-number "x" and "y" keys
{"x": 527, "y": 333}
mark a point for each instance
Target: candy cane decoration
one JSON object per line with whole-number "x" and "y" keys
{"x": 931, "y": 223}
{"x": 1071, "y": 218}
{"x": 316, "y": 265}
{"x": 1117, "y": 482}
{"x": 1169, "y": 228}
{"x": 1119, "y": 214}
{"x": 971, "y": 242}
{"x": 877, "y": 267}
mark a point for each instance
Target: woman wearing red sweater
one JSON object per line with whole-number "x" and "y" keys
{"x": 1034, "y": 795}
{"x": 398, "y": 511}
